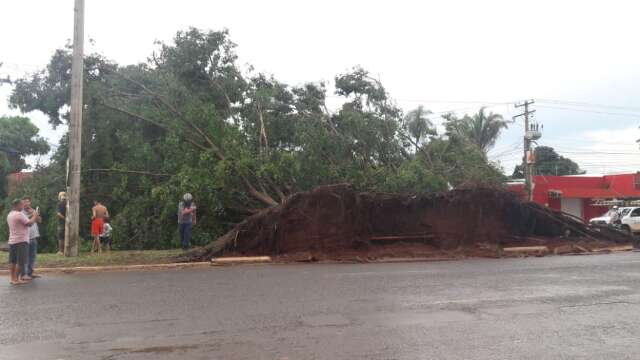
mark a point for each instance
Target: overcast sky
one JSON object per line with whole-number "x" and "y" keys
{"x": 578, "y": 59}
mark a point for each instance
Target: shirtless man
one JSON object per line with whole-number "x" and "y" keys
{"x": 99, "y": 213}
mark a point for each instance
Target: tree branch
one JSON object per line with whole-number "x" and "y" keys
{"x": 155, "y": 123}
{"x": 263, "y": 131}
{"x": 276, "y": 188}
{"x": 261, "y": 196}
{"x": 224, "y": 93}
{"x": 176, "y": 112}
{"x": 127, "y": 172}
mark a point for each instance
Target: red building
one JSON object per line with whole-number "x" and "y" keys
{"x": 577, "y": 195}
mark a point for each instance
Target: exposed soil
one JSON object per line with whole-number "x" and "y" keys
{"x": 335, "y": 222}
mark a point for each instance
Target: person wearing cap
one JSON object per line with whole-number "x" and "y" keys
{"x": 61, "y": 214}
{"x": 186, "y": 220}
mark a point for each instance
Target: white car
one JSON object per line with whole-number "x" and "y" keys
{"x": 609, "y": 216}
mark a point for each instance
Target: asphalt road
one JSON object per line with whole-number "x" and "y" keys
{"x": 573, "y": 307}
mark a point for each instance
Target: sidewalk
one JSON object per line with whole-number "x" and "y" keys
{"x": 142, "y": 267}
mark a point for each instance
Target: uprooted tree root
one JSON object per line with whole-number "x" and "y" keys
{"x": 334, "y": 219}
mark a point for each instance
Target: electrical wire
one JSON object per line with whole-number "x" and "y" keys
{"x": 589, "y": 111}
{"x": 586, "y": 104}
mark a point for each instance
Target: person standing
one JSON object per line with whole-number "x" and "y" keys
{"x": 61, "y": 214}
{"x": 34, "y": 237}
{"x": 99, "y": 213}
{"x": 186, "y": 220}
{"x": 19, "y": 225}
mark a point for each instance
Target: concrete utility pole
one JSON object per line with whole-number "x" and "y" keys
{"x": 72, "y": 225}
{"x": 530, "y": 135}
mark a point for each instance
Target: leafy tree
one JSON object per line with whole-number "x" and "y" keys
{"x": 481, "y": 129}
{"x": 18, "y": 139}
{"x": 5, "y": 170}
{"x": 549, "y": 162}
{"x": 190, "y": 120}
{"x": 459, "y": 162}
{"x": 419, "y": 126}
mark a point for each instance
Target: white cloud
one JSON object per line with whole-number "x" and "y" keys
{"x": 604, "y": 150}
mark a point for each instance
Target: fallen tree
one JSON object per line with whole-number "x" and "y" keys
{"x": 333, "y": 219}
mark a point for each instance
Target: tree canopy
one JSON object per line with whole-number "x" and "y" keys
{"x": 548, "y": 163}
{"x": 481, "y": 129}
{"x": 19, "y": 138}
{"x": 191, "y": 120}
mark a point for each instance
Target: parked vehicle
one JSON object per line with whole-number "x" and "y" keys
{"x": 630, "y": 221}
{"x": 611, "y": 217}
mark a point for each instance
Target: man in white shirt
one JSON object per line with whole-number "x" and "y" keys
{"x": 34, "y": 237}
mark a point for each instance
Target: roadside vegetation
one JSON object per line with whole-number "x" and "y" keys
{"x": 85, "y": 258}
{"x": 192, "y": 119}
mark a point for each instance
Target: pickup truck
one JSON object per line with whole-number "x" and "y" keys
{"x": 629, "y": 219}
{"x": 611, "y": 216}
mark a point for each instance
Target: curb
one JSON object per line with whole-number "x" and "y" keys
{"x": 241, "y": 260}
{"x": 113, "y": 268}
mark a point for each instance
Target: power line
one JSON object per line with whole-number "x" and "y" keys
{"x": 587, "y": 104}
{"x": 589, "y": 152}
{"x": 506, "y": 148}
{"x": 590, "y": 111}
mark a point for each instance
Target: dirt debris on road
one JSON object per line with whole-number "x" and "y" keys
{"x": 335, "y": 222}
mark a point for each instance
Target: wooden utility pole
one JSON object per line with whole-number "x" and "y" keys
{"x": 529, "y": 136}
{"x": 72, "y": 225}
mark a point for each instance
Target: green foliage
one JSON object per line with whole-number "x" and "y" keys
{"x": 480, "y": 129}
{"x": 191, "y": 121}
{"x": 19, "y": 138}
{"x": 419, "y": 126}
{"x": 549, "y": 162}
{"x": 43, "y": 188}
{"x": 5, "y": 170}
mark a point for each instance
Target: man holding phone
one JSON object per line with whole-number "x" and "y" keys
{"x": 186, "y": 220}
{"x": 34, "y": 237}
{"x": 19, "y": 225}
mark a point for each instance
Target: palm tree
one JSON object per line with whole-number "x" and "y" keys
{"x": 418, "y": 125}
{"x": 480, "y": 129}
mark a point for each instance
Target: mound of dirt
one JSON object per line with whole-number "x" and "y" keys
{"x": 336, "y": 219}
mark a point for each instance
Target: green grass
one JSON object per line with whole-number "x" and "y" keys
{"x": 105, "y": 259}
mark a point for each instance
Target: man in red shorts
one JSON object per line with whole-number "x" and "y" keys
{"x": 99, "y": 213}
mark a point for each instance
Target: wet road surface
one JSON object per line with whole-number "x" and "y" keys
{"x": 573, "y": 307}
